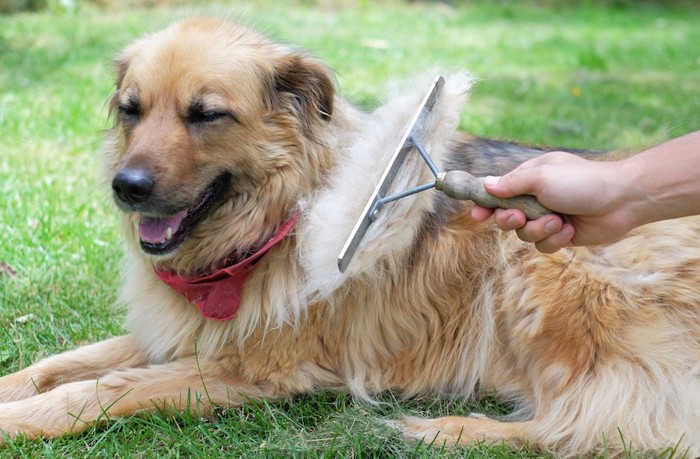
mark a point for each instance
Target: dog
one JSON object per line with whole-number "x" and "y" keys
{"x": 238, "y": 171}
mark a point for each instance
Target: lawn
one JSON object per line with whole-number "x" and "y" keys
{"x": 602, "y": 75}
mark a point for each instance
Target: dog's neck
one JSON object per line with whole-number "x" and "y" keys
{"x": 218, "y": 294}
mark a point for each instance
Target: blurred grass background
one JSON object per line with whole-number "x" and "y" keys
{"x": 591, "y": 74}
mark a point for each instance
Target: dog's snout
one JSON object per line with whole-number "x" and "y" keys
{"x": 133, "y": 186}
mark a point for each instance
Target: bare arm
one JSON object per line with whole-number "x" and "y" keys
{"x": 600, "y": 201}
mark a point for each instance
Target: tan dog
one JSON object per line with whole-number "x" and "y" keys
{"x": 239, "y": 172}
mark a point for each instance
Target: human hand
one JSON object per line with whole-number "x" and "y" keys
{"x": 587, "y": 195}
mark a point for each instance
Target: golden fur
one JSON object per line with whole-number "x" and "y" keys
{"x": 590, "y": 343}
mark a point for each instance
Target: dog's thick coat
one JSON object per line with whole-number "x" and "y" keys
{"x": 593, "y": 344}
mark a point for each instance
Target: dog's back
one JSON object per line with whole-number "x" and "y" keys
{"x": 599, "y": 346}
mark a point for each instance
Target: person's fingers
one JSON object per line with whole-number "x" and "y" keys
{"x": 481, "y": 213}
{"x": 509, "y": 219}
{"x": 557, "y": 240}
{"x": 540, "y": 229}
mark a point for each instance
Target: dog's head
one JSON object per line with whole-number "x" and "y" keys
{"x": 218, "y": 133}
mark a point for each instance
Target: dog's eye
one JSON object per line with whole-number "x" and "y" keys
{"x": 196, "y": 116}
{"x": 130, "y": 111}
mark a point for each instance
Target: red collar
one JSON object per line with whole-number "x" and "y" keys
{"x": 218, "y": 295}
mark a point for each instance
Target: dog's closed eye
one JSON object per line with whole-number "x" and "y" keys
{"x": 198, "y": 114}
{"x": 129, "y": 111}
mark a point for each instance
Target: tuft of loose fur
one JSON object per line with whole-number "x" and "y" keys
{"x": 332, "y": 211}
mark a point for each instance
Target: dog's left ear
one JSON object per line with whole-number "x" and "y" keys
{"x": 121, "y": 66}
{"x": 304, "y": 85}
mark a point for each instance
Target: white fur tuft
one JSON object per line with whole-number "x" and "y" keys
{"x": 333, "y": 211}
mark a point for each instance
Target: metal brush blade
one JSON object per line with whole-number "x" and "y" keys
{"x": 379, "y": 197}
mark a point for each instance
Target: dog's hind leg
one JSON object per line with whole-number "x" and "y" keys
{"x": 475, "y": 428}
{"x": 87, "y": 362}
{"x": 184, "y": 385}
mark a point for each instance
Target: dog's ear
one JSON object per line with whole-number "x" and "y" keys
{"x": 304, "y": 85}
{"x": 121, "y": 66}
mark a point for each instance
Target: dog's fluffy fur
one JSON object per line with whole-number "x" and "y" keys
{"x": 593, "y": 344}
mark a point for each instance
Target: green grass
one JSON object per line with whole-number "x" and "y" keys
{"x": 593, "y": 76}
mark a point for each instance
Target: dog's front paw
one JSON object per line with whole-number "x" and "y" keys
{"x": 39, "y": 416}
{"x": 17, "y": 386}
{"x": 10, "y": 426}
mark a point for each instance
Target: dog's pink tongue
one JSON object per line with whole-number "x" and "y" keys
{"x": 155, "y": 229}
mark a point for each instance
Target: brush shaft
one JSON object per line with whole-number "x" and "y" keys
{"x": 464, "y": 186}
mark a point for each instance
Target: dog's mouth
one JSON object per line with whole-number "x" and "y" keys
{"x": 160, "y": 235}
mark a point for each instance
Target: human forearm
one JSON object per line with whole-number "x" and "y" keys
{"x": 664, "y": 181}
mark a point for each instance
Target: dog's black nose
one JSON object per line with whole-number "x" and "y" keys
{"x": 133, "y": 186}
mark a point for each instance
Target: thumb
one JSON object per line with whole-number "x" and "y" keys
{"x": 493, "y": 186}
{"x": 512, "y": 184}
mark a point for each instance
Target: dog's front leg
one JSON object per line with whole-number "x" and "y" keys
{"x": 87, "y": 362}
{"x": 185, "y": 385}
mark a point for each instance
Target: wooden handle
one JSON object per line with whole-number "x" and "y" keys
{"x": 464, "y": 186}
